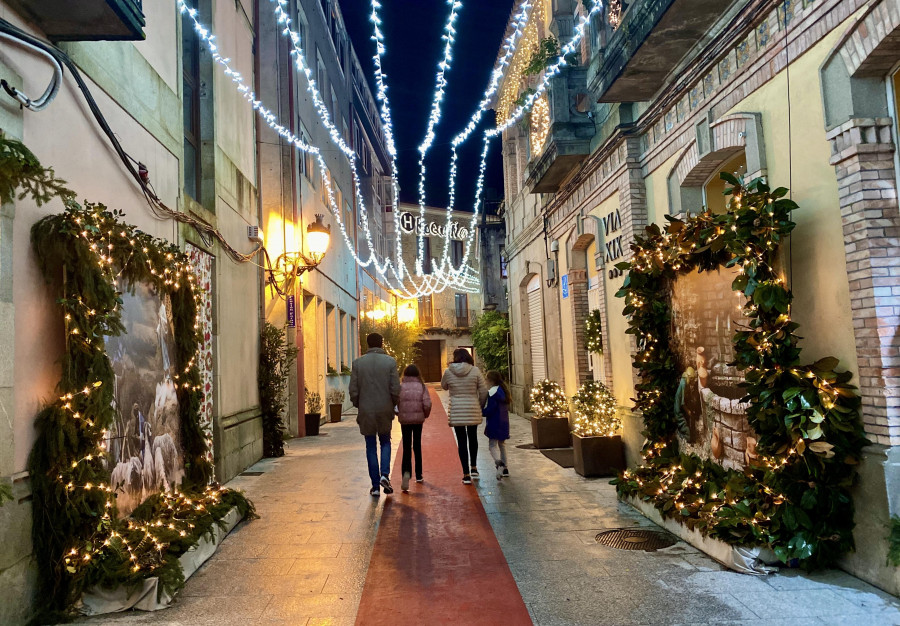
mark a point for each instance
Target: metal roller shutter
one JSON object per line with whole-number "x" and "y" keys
{"x": 536, "y": 323}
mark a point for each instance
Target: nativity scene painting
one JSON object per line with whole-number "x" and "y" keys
{"x": 145, "y": 441}
{"x": 712, "y": 419}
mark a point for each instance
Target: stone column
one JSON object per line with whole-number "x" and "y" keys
{"x": 863, "y": 158}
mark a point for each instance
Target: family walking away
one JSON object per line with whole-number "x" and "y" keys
{"x": 378, "y": 394}
{"x": 375, "y": 391}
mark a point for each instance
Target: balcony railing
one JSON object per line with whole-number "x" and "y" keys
{"x": 448, "y": 319}
{"x": 85, "y": 20}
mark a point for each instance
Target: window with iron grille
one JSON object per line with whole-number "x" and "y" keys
{"x": 426, "y": 313}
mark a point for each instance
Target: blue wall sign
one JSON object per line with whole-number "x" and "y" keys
{"x": 291, "y": 312}
{"x": 565, "y": 285}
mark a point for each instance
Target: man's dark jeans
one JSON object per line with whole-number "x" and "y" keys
{"x": 384, "y": 439}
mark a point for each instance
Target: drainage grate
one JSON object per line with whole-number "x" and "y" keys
{"x": 252, "y": 473}
{"x": 636, "y": 539}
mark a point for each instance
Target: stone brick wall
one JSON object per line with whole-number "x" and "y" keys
{"x": 578, "y": 288}
{"x": 863, "y": 158}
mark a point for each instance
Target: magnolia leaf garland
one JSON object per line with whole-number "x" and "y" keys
{"x": 87, "y": 255}
{"x": 795, "y": 497}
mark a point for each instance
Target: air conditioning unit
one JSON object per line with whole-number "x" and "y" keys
{"x": 253, "y": 234}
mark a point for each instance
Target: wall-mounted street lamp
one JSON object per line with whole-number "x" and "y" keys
{"x": 290, "y": 265}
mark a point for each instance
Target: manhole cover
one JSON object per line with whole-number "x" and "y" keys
{"x": 252, "y": 473}
{"x": 636, "y": 539}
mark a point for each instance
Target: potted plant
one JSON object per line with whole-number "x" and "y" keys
{"x": 276, "y": 358}
{"x": 335, "y": 399}
{"x": 550, "y": 423}
{"x": 598, "y": 449}
{"x": 313, "y": 413}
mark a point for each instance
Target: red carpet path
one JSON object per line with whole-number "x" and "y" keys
{"x": 436, "y": 559}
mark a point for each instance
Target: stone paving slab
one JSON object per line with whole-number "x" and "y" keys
{"x": 545, "y": 518}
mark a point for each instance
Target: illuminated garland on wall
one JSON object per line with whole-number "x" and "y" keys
{"x": 79, "y": 542}
{"x": 795, "y": 494}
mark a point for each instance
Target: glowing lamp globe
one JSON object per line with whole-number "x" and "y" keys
{"x": 318, "y": 236}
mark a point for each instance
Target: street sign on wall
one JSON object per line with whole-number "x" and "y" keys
{"x": 291, "y": 312}
{"x": 565, "y": 285}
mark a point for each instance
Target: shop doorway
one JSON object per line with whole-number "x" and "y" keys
{"x": 429, "y": 360}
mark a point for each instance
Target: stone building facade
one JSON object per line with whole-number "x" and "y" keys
{"x": 446, "y": 315}
{"x": 639, "y": 125}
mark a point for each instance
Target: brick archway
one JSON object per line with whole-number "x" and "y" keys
{"x": 716, "y": 143}
{"x": 861, "y": 133}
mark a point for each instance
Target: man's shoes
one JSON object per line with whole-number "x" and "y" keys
{"x": 386, "y": 485}
{"x": 419, "y": 479}
{"x": 500, "y": 472}
{"x": 404, "y": 484}
{"x": 505, "y": 472}
{"x": 467, "y": 480}
{"x": 474, "y": 472}
{"x": 374, "y": 492}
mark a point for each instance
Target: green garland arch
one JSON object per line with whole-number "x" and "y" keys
{"x": 796, "y": 498}
{"x": 86, "y": 255}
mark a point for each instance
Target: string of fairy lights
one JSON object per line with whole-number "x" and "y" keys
{"x": 393, "y": 273}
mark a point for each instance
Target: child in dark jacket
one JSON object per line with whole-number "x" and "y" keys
{"x": 496, "y": 413}
{"x": 412, "y": 409}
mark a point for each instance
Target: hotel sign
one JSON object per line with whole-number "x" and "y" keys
{"x": 414, "y": 224}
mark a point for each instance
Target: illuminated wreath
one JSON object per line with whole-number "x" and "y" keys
{"x": 795, "y": 496}
{"x": 87, "y": 255}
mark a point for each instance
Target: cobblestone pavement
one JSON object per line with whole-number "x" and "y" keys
{"x": 305, "y": 560}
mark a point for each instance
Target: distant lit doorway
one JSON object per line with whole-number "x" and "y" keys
{"x": 429, "y": 360}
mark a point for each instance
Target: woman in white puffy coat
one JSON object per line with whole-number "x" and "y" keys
{"x": 468, "y": 393}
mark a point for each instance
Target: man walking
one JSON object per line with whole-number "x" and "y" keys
{"x": 374, "y": 391}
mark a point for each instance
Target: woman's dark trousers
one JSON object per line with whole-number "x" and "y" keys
{"x": 469, "y": 433}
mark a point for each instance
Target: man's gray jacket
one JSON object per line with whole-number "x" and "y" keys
{"x": 374, "y": 391}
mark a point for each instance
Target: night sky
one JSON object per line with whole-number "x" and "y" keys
{"x": 412, "y": 30}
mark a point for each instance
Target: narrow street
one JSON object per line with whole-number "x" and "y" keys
{"x": 325, "y": 552}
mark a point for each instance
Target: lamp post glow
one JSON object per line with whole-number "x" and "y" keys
{"x": 291, "y": 265}
{"x": 318, "y": 236}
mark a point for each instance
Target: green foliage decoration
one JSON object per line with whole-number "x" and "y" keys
{"x": 87, "y": 255}
{"x": 893, "y": 556}
{"x": 20, "y": 169}
{"x": 547, "y": 52}
{"x": 400, "y": 338}
{"x": 276, "y": 357}
{"x": 489, "y": 336}
{"x": 795, "y": 496}
{"x": 548, "y": 400}
{"x": 593, "y": 332}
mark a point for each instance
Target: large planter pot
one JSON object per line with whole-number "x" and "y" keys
{"x": 598, "y": 456}
{"x": 550, "y": 432}
{"x": 334, "y": 411}
{"x": 312, "y": 424}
